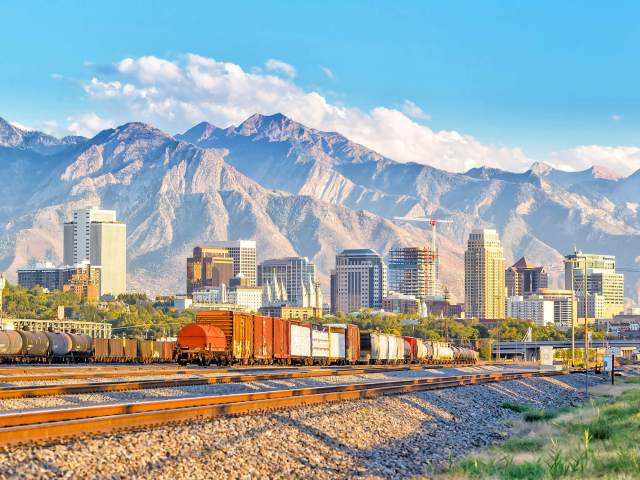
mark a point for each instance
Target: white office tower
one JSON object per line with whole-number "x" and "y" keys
{"x": 96, "y": 236}
{"x": 291, "y": 281}
{"x": 243, "y": 253}
{"x": 360, "y": 279}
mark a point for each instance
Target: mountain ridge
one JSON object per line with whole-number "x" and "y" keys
{"x": 298, "y": 191}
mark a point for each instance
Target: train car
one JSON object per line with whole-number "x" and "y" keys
{"x": 337, "y": 343}
{"x": 300, "y": 341}
{"x": 281, "y": 340}
{"x": 100, "y": 349}
{"x": 352, "y": 344}
{"x": 263, "y": 339}
{"x": 237, "y": 328}
{"x": 60, "y": 347}
{"x": 201, "y": 343}
{"x": 320, "y": 344}
{"x": 35, "y": 346}
{"x": 442, "y": 353}
{"x": 10, "y": 346}
{"x": 147, "y": 352}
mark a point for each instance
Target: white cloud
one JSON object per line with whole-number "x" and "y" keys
{"x": 20, "y": 126}
{"x": 328, "y": 72}
{"x": 274, "y": 65}
{"x": 414, "y": 111}
{"x": 175, "y": 95}
{"x": 87, "y": 124}
{"x": 616, "y": 118}
{"x": 623, "y": 160}
{"x": 56, "y": 76}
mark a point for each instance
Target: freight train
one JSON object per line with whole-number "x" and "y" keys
{"x": 225, "y": 337}
{"x": 22, "y": 346}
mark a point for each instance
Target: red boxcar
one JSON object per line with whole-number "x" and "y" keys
{"x": 281, "y": 339}
{"x": 237, "y": 328}
{"x": 263, "y": 338}
{"x": 413, "y": 344}
{"x": 352, "y": 344}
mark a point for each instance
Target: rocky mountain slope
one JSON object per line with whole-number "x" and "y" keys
{"x": 297, "y": 191}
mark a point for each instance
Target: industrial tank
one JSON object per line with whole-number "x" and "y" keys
{"x": 10, "y": 342}
{"x": 34, "y": 343}
{"x": 80, "y": 343}
{"x": 60, "y": 344}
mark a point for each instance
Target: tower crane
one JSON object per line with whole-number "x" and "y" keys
{"x": 433, "y": 222}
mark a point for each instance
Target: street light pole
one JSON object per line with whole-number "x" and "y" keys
{"x": 586, "y": 330}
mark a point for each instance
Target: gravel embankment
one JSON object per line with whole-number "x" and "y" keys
{"x": 391, "y": 437}
{"x": 22, "y": 404}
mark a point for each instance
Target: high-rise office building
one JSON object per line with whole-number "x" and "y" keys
{"x": 208, "y": 267}
{"x": 296, "y": 276}
{"x": 95, "y": 235}
{"x": 412, "y": 271}
{"x": 524, "y": 277}
{"x": 601, "y": 280}
{"x": 564, "y": 306}
{"x": 361, "y": 280}
{"x": 484, "y": 285}
{"x": 243, "y": 253}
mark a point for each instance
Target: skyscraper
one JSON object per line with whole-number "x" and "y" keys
{"x": 297, "y": 275}
{"x": 96, "y": 236}
{"x": 243, "y": 253}
{"x": 602, "y": 280}
{"x": 208, "y": 267}
{"x": 484, "y": 285}
{"x": 411, "y": 271}
{"x": 360, "y": 280}
{"x": 524, "y": 278}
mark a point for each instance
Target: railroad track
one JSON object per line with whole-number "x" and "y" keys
{"x": 54, "y": 423}
{"x": 37, "y": 374}
{"x": 31, "y": 391}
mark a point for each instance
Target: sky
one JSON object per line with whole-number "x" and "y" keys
{"x": 454, "y": 84}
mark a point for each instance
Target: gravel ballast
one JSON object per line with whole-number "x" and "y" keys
{"x": 22, "y": 404}
{"x": 390, "y": 437}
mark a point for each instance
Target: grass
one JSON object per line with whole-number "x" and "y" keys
{"x": 598, "y": 440}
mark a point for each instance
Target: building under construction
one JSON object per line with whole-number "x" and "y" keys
{"x": 413, "y": 271}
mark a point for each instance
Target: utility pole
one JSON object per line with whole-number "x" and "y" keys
{"x": 586, "y": 330}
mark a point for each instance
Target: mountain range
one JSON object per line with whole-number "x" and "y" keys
{"x": 297, "y": 191}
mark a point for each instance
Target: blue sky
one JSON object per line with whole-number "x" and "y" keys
{"x": 532, "y": 80}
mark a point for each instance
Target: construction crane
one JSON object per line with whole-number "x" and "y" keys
{"x": 434, "y": 251}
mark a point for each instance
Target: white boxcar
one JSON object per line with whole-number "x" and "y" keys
{"x": 336, "y": 344}
{"x": 422, "y": 350}
{"x": 379, "y": 346}
{"x": 397, "y": 351}
{"x": 300, "y": 340}
{"x": 319, "y": 342}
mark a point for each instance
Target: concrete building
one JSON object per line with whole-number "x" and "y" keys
{"x": 246, "y": 296}
{"x": 290, "y": 280}
{"x": 292, "y": 313}
{"x": 84, "y": 279}
{"x": 412, "y": 271}
{"x": 524, "y": 278}
{"x": 534, "y": 308}
{"x": 601, "y": 279}
{"x": 360, "y": 280}
{"x": 565, "y": 307}
{"x": 209, "y": 267}
{"x": 96, "y": 236}
{"x": 243, "y": 253}
{"x": 484, "y": 284}
{"x": 401, "y": 303}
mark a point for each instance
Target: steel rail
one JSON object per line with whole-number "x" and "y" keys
{"x": 49, "y": 424}
{"x": 31, "y": 391}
